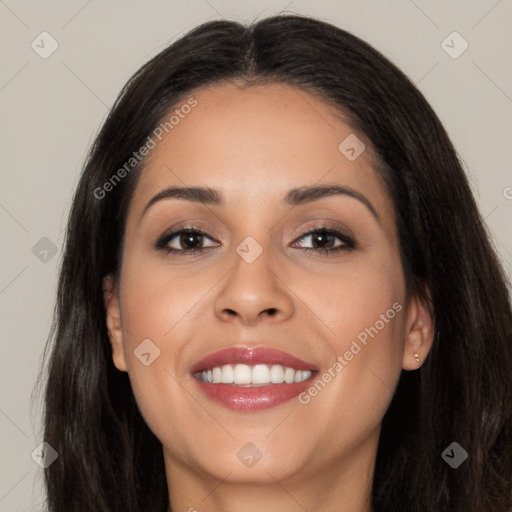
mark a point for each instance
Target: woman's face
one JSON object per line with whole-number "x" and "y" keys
{"x": 342, "y": 312}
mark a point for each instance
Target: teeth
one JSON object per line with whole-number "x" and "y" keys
{"x": 217, "y": 374}
{"x": 242, "y": 374}
{"x": 259, "y": 374}
{"x": 277, "y": 374}
{"x": 289, "y": 375}
{"x": 228, "y": 375}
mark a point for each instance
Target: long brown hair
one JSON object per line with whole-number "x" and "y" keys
{"x": 109, "y": 460}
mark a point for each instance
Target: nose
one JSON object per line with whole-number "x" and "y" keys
{"x": 254, "y": 292}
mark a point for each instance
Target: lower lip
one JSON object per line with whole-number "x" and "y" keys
{"x": 240, "y": 398}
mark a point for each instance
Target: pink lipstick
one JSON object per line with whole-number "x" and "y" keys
{"x": 252, "y": 378}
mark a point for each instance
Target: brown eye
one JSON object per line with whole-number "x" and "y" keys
{"x": 187, "y": 240}
{"x": 324, "y": 239}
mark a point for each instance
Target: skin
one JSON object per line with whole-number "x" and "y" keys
{"x": 253, "y": 145}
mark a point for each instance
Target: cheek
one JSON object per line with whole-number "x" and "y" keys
{"x": 155, "y": 305}
{"x": 362, "y": 308}
{"x": 154, "y": 299}
{"x": 357, "y": 295}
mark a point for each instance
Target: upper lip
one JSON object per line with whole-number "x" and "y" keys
{"x": 251, "y": 356}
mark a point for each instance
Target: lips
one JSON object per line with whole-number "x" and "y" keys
{"x": 251, "y": 398}
{"x": 251, "y": 356}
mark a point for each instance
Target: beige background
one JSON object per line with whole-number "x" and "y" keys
{"x": 52, "y": 108}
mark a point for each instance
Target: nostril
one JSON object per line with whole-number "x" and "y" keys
{"x": 269, "y": 311}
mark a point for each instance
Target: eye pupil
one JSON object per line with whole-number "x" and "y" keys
{"x": 189, "y": 239}
{"x": 322, "y": 237}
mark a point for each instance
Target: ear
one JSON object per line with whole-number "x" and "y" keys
{"x": 419, "y": 333}
{"x": 115, "y": 331}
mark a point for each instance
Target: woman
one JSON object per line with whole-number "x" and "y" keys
{"x": 277, "y": 293}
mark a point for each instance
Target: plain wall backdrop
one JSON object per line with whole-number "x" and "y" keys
{"x": 64, "y": 63}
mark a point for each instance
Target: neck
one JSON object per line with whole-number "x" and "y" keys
{"x": 337, "y": 486}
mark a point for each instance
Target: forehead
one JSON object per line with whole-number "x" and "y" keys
{"x": 256, "y": 142}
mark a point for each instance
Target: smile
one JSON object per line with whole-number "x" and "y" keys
{"x": 252, "y": 378}
{"x": 257, "y": 375}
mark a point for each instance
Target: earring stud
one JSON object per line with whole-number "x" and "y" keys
{"x": 417, "y": 357}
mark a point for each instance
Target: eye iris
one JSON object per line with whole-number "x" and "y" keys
{"x": 189, "y": 240}
{"x": 321, "y": 236}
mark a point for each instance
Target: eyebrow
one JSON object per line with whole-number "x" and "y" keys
{"x": 294, "y": 197}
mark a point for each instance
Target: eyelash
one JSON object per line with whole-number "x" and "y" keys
{"x": 349, "y": 244}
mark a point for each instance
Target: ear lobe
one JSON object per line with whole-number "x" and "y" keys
{"x": 419, "y": 333}
{"x": 113, "y": 320}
